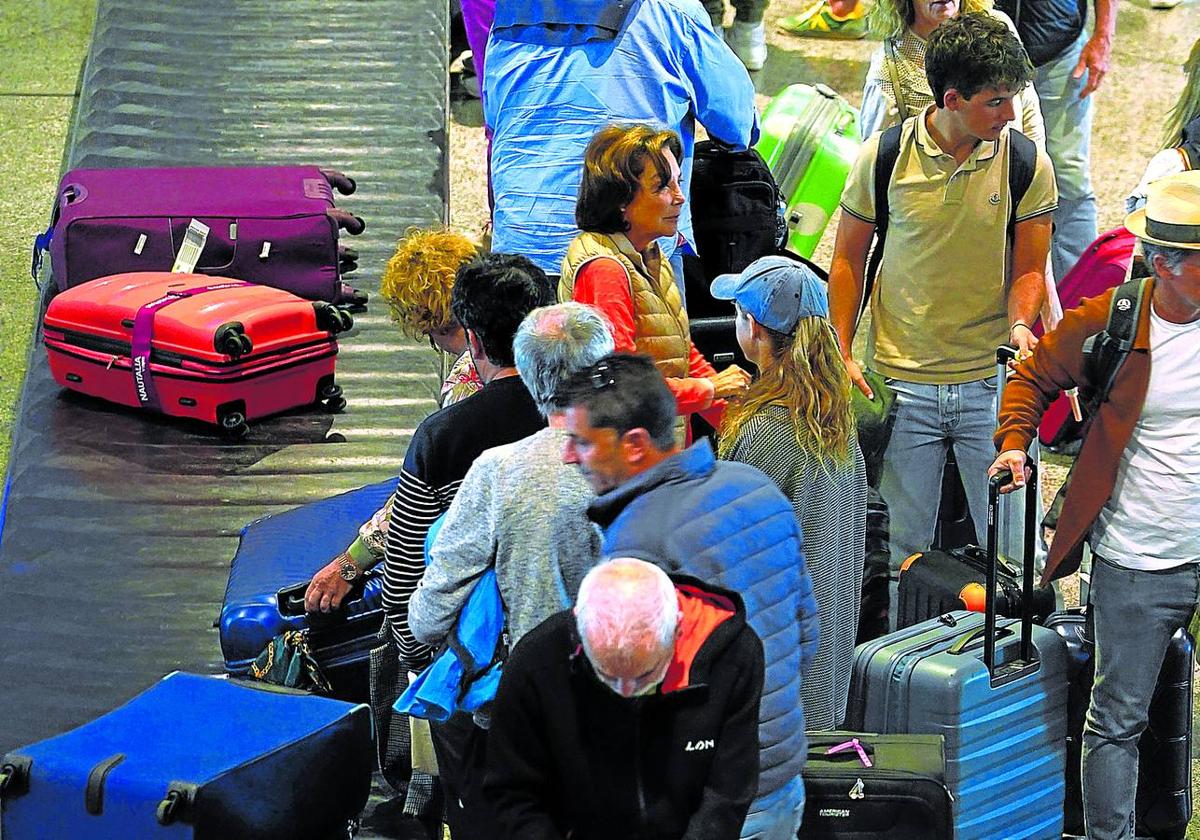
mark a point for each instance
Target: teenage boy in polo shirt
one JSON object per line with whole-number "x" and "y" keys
{"x": 951, "y": 284}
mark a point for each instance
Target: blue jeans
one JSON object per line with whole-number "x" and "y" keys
{"x": 779, "y": 815}
{"x": 1134, "y": 614}
{"x": 1068, "y": 143}
{"x": 929, "y": 420}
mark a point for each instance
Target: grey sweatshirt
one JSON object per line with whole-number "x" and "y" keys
{"x": 521, "y": 509}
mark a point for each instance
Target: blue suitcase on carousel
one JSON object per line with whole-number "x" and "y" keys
{"x": 275, "y": 560}
{"x": 996, "y": 690}
{"x": 196, "y": 757}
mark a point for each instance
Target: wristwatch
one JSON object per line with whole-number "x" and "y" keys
{"x": 347, "y": 569}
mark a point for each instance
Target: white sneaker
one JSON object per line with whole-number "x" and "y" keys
{"x": 749, "y": 42}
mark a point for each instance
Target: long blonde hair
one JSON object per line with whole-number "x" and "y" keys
{"x": 890, "y": 18}
{"x": 1188, "y": 106}
{"x": 806, "y": 376}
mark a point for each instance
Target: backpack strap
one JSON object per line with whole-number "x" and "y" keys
{"x": 885, "y": 166}
{"x": 1106, "y": 351}
{"x": 1022, "y": 160}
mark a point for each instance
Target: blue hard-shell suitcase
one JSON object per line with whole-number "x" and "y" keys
{"x": 195, "y": 757}
{"x": 275, "y": 560}
{"x": 997, "y": 692}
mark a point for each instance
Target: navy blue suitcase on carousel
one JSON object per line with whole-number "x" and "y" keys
{"x": 996, "y": 690}
{"x": 196, "y": 757}
{"x": 275, "y": 560}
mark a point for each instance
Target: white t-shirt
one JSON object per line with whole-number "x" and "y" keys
{"x": 1152, "y": 519}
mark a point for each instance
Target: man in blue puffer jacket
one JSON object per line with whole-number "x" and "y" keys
{"x": 724, "y": 523}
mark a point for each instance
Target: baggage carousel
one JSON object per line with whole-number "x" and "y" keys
{"x": 118, "y": 526}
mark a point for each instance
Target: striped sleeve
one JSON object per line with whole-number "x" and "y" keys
{"x": 415, "y": 507}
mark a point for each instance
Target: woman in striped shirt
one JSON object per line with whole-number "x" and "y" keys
{"x": 795, "y": 424}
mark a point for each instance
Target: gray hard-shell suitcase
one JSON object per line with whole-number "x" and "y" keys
{"x": 997, "y": 692}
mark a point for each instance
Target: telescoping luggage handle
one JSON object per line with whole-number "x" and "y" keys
{"x": 1027, "y": 661}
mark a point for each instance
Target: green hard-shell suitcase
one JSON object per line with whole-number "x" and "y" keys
{"x": 809, "y": 139}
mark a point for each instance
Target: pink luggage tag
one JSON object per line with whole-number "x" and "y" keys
{"x": 854, "y": 744}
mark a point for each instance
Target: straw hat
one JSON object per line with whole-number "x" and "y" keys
{"x": 1171, "y": 216}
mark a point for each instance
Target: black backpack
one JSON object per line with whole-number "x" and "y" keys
{"x": 1103, "y": 355}
{"x": 737, "y": 217}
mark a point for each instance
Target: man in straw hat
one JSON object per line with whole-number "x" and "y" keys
{"x": 1135, "y": 495}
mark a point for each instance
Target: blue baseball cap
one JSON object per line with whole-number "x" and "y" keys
{"x": 777, "y": 291}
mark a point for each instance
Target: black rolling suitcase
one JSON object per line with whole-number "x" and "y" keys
{"x": 936, "y": 582}
{"x": 875, "y": 787}
{"x": 1164, "y": 793}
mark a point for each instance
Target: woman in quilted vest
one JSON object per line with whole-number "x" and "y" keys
{"x": 630, "y": 197}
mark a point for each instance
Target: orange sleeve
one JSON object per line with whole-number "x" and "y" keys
{"x": 602, "y": 283}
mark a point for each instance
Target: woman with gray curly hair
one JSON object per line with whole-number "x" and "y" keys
{"x": 896, "y": 87}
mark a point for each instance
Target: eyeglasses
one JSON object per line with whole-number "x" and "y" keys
{"x": 602, "y": 376}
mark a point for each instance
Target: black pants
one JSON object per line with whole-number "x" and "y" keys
{"x": 461, "y": 749}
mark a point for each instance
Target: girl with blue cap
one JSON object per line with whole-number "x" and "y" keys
{"x": 795, "y": 424}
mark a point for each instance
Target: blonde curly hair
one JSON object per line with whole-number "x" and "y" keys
{"x": 419, "y": 277}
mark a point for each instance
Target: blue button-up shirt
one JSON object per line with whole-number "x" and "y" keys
{"x": 549, "y": 88}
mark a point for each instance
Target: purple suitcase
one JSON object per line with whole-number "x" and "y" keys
{"x": 274, "y": 225}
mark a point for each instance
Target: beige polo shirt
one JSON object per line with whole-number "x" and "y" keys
{"x": 940, "y": 302}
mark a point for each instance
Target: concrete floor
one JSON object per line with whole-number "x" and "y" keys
{"x": 43, "y": 44}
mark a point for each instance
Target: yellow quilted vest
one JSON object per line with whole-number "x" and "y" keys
{"x": 660, "y": 322}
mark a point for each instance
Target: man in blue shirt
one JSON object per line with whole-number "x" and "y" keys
{"x": 558, "y": 72}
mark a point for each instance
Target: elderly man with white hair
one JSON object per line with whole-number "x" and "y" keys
{"x": 634, "y": 715}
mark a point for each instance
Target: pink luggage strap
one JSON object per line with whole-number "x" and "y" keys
{"x": 143, "y": 333}
{"x": 853, "y": 744}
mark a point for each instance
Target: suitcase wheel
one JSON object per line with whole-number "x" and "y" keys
{"x": 332, "y": 318}
{"x": 331, "y": 397}
{"x": 347, "y": 260}
{"x": 347, "y": 221}
{"x": 231, "y": 339}
{"x": 14, "y": 775}
{"x": 234, "y": 426}
{"x": 176, "y": 804}
{"x": 340, "y": 181}
{"x": 353, "y": 298}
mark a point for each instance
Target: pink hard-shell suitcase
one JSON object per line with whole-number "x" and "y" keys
{"x": 1104, "y": 264}
{"x": 273, "y": 225}
{"x": 214, "y": 349}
